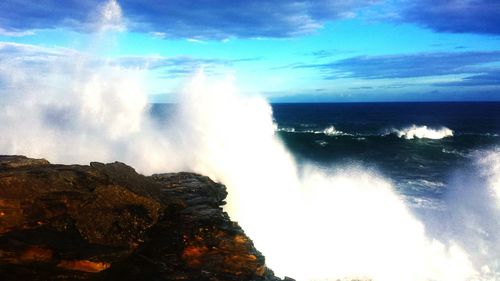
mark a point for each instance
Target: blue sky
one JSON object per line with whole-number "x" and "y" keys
{"x": 289, "y": 51}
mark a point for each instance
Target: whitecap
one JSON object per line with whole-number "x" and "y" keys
{"x": 423, "y": 132}
{"x": 454, "y": 151}
{"x": 427, "y": 184}
{"x": 286, "y": 129}
{"x": 330, "y": 131}
{"x": 322, "y": 142}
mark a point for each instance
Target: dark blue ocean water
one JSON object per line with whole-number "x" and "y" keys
{"x": 367, "y": 135}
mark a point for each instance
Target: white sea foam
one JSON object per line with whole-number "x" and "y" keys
{"x": 423, "y": 183}
{"x": 321, "y": 142}
{"x": 425, "y": 203}
{"x": 491, "y": 171}
{"x": 473, "y": 210}
{"x": 286, "y": 129}
{"x": 423, "y": 132}
{"x": 329, "y": 131}
{"x": 456, "y": 152}
{"x": 340, "y": 223}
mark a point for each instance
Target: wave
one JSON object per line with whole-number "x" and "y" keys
{"x": 331, "y": 131}
{"x": 321, "y": 142}
{"x": 456, "y": 152}
{"x": 341, "y": 223}
{"x": 425, "y": 184}
{"x": 326, "y": 215}
{"x": 328, "y": 131}
{"x": 285, "y": 129}
{"x": 472, "y": 210}
{"x": 412, "y": 132}
{"x": 424, "y": 203}
{"x": 423, "y": 132}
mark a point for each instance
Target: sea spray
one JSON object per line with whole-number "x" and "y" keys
{"x": 231, "y": 138}
{"x": 73, "y": 112}
{"x": 311, "y": 223}
{"x": 423, "y": 132}
{"x": 490, "y": 164}
{"x": 472, "y": 216}
{"x": 365, "y": 229}
{"x": 341, "y": 223}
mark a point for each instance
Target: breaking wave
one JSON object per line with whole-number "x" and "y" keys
{"x": 339, "y": 222}
{"x": 411, "y": 132}
{"x": 328, "y": 131}
{"x": 423, "y": 132}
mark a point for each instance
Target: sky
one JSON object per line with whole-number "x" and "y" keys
{"x": 285, "y": 50}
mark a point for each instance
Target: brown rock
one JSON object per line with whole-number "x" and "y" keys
{"x": 106, "y": 222}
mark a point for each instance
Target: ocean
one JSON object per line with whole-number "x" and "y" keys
{"x": 366, "y": 191}
{"x": 418, "y": 146}
{"x": 344, "y": 191}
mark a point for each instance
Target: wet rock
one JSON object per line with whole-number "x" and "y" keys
{"x": 107, "y": 222}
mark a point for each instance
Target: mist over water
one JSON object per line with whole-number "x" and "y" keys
{"x": 311, "y": 223}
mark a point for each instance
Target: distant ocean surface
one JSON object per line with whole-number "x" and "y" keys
{"x": 418, "y": 146}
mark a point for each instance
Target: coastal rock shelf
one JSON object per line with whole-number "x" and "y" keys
{"x": 107, "y": 222}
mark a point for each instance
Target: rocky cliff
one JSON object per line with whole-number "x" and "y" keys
{"x": 107, "y": 222}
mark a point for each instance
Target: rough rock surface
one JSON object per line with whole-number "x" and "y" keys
{"x": 107, "y": 222}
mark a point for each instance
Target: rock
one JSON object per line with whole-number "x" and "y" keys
{"x": 15, "y": 161}
{"x": 107, "y": 222}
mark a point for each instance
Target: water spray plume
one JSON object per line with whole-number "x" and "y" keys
{"x": 310, "y": 223}
{"x": 108, "y": 18}
{"x": 344, "y": 224}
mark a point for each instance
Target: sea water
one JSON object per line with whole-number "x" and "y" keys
{"x": 384, "y": 192}
{"x": 419, "y": 146}
{"x": 388, "y": 191}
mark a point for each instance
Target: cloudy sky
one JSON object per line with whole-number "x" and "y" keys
{"x": 287, "y": 50}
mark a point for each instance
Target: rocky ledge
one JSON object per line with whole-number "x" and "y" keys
{"x": 107, "y": 222}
